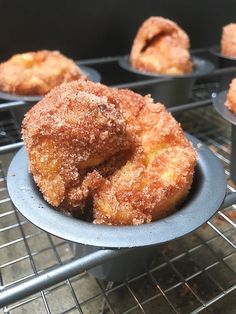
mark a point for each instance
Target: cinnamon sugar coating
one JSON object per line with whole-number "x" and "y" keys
{"x": 115, "y": 148}
{"x": 231, "y": 97}
{"x": 156, "y": 178}
{"x": 71, "y": 130}
{"x": 36, "y": 73}
{"x": 161, "y": 46}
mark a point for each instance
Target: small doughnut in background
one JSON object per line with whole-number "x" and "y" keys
{"x": 36, "y": 73}
{"x": 231, "y": 97}
{"x": 228, "y": 40}
{"x": 161, "y": 46}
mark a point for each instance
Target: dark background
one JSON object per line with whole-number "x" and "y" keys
{"x": 89, "y": 29}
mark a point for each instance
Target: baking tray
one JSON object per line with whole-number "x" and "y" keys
{"x": 191, "y": 274}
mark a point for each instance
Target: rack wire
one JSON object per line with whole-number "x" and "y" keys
{"x": 192, "y": 274}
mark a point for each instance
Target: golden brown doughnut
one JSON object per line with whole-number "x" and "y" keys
{"x": 158, "y": 175}
{"x": 71, "y": 130}
{"x": 161, "y": 46}
{"x": 36, "y": 73}
{"x": 228, "y": 40}
{"x": 114, "y": 148}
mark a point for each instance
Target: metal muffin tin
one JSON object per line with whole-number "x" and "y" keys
{"x": 224, "y": 62}
{"x": 200, "y": 205}
{"x": 219, "y": 105}
{"x": 176, "y": 89}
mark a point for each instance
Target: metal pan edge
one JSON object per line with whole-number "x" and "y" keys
{"x": 215, "y": 50}
{"x": 202, "y": 67}
{"x": 219, "y": 105}
{"x": 207, "y": 194}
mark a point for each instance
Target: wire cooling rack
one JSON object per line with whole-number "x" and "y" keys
{"x": 192, "y": 274}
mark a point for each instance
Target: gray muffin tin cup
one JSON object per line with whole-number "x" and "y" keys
{"x": 121, "y": 268}
{"x": 224, "y": 62}
{"x": 205, "y": 198}
{"x": 172, "y": 90}
{"x": 219, "y": 105}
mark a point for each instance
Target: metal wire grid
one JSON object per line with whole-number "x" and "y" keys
{"x": 9, "y": 132}
{"x": 192, "y": 274}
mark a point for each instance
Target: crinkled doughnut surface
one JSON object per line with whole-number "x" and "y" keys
{"x": 36, "y": 73}
{"x": 161, "y": 46}
{"x": 231, "y": 97}
{"x": 114, "y": 149}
